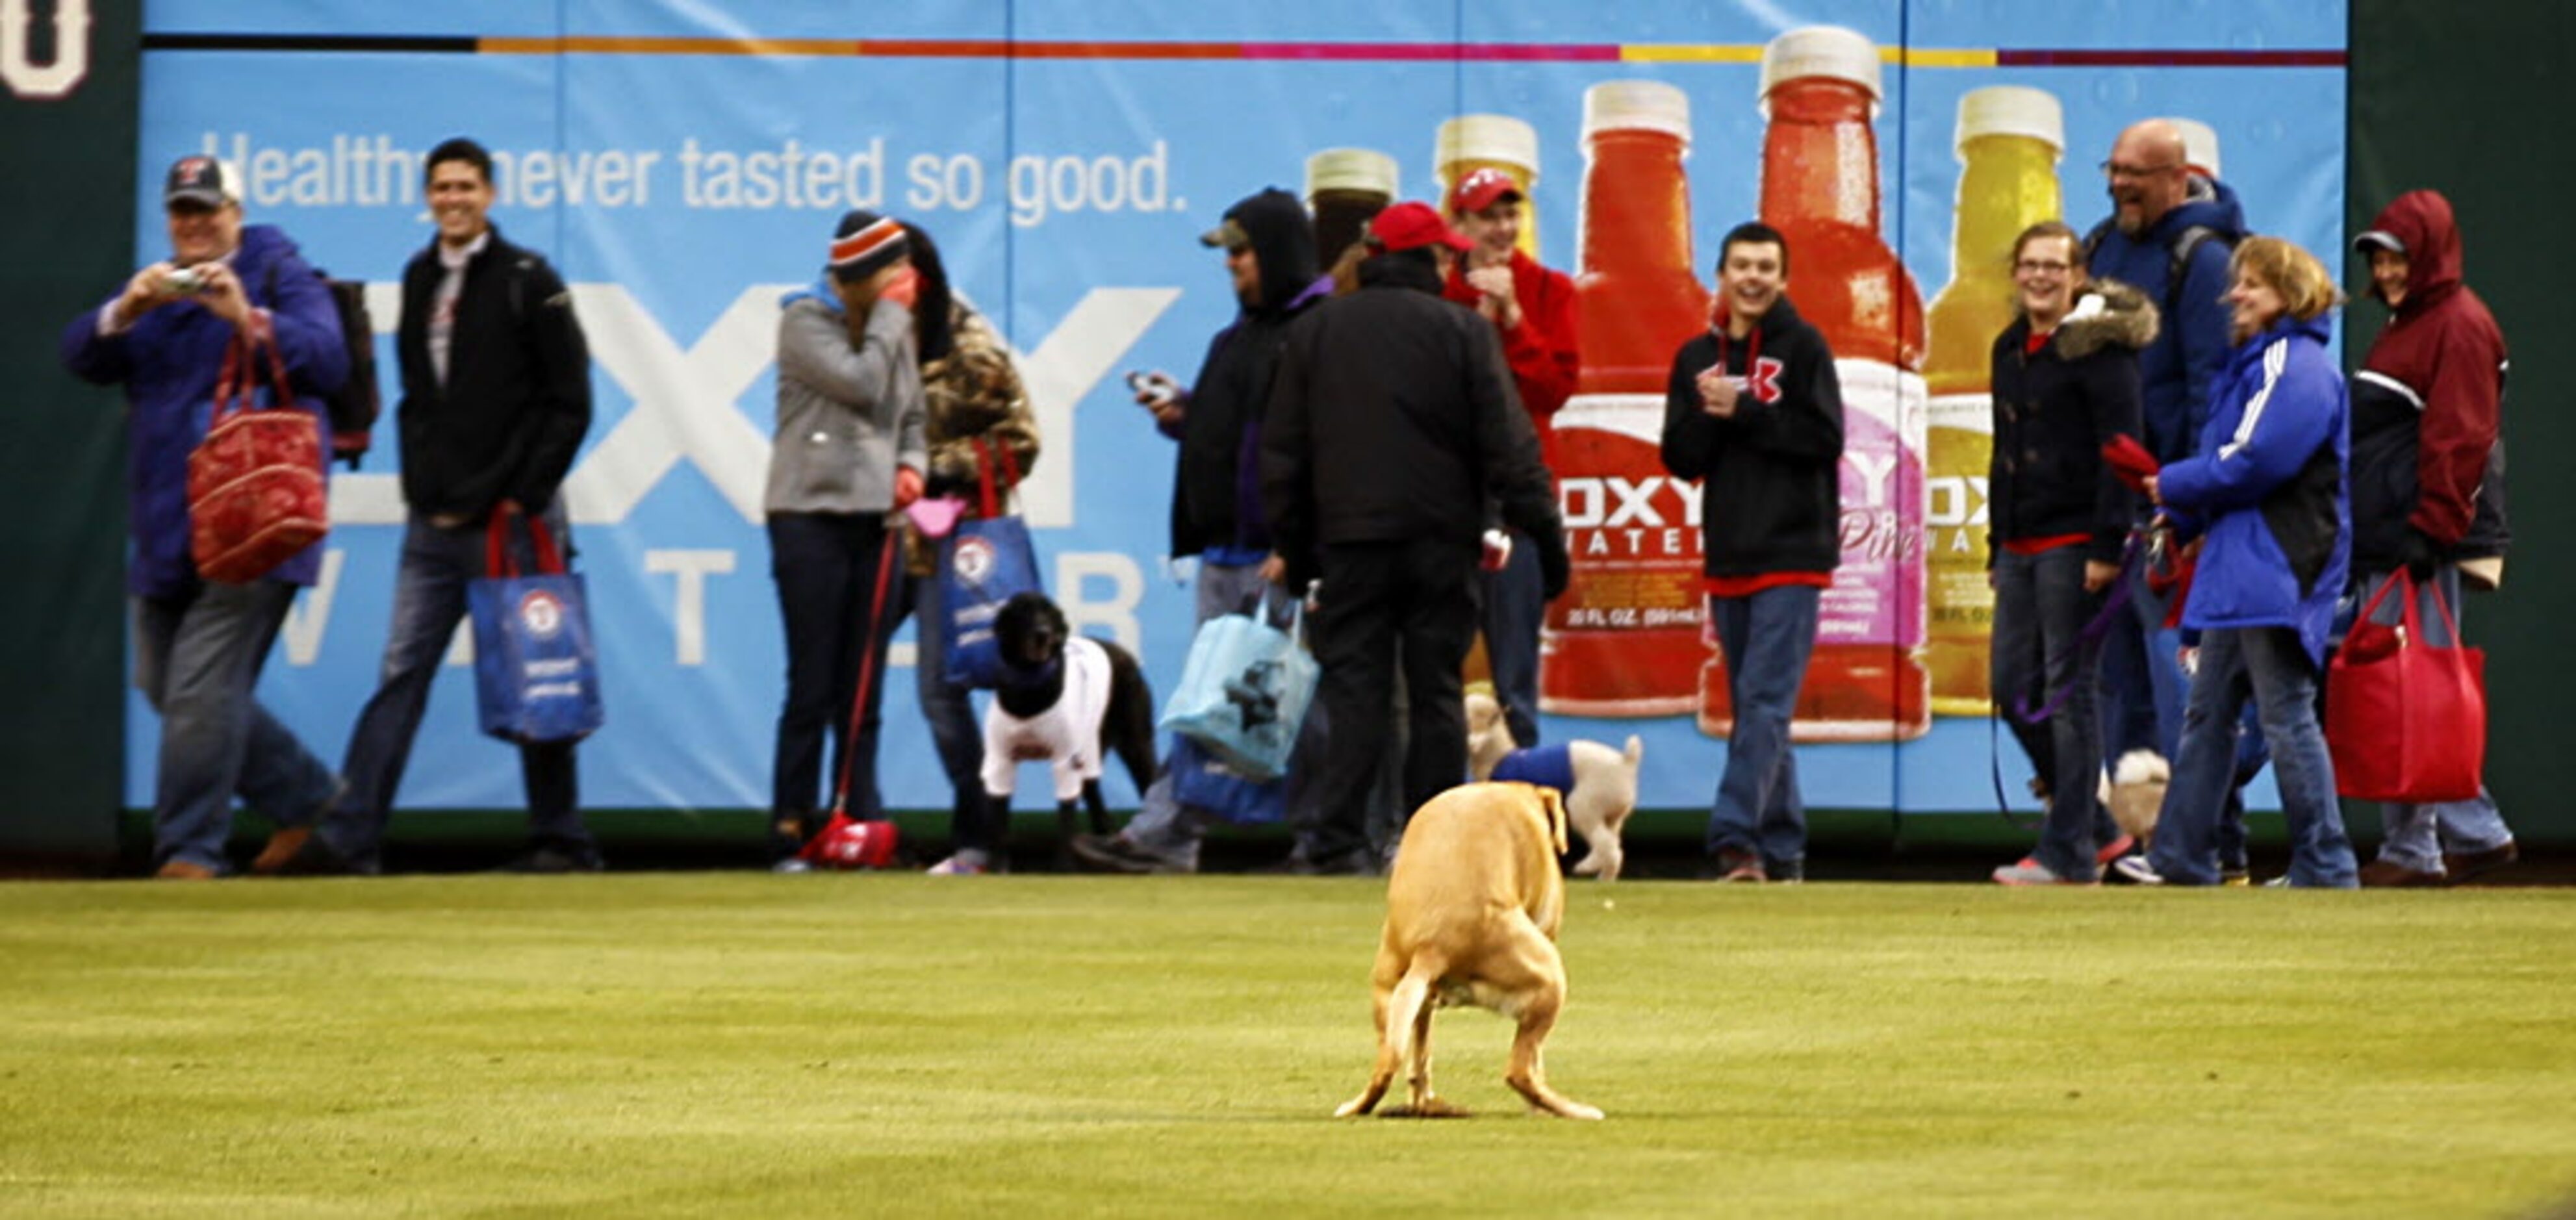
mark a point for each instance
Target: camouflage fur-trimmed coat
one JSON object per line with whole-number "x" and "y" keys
{"x": 974, "y": 391}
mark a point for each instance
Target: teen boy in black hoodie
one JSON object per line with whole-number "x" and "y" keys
{"x": 1755, "y": 412}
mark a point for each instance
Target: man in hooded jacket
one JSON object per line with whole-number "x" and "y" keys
{"x": 2426, "y": 419}
{"x": 1269, "y": 246}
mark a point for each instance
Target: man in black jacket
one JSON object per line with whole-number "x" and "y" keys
{"x": 495, "y": 399}
{"x": 1269, "y": 247}
{"x": 1755, "y": 412}
{"x": 1393, "y": 424}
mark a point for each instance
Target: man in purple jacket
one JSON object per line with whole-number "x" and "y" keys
{"x": 198, "y": 646}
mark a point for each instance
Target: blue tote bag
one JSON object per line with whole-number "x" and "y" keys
{"x": 982, "y": 564}
{"x": 536, "y": 667}
{"x": 1244, "y": 692}
{"x": 1202, "y": 781}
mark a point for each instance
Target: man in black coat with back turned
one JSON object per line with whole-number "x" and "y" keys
{"x": 1394, "y": 427}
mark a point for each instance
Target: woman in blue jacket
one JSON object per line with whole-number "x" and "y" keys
{"x": 2267, "y": 491}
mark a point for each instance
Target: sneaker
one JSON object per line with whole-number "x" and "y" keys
{"x": 2137, "y": 871}
{"x": 2115, "y": 849}
{"x": 555, "y": 860}
{"x": 2029, "y": 871}
{"x": 314, "y": 857}
{"x": 966, "y": 863}
{"x": 281, "y": 848}
{"x": 181, "y": 870}
{"x": 791, "y": 864}
{"x": 1739, "y": 867}
{"x": 2467, "y": 866}
{"x": 2281, "y": 882}
{"x": 2238, "y": 877}
{"x": 2390, "y": 875}
{"x": 1117, "y": 854}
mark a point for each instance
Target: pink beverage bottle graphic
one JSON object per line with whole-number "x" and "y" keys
{"x": 1867, "y": 680}
{"x": 2008, "y": 142}
{"x": 1624, "y": 640}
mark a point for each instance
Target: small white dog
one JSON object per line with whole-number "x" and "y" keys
{"x": 1603, "y": 781}
{"x": 2135, "y": 792}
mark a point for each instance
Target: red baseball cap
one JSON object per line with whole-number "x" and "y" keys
{"x": 1479, "y": 190}
{"x": 1409, "y": 225}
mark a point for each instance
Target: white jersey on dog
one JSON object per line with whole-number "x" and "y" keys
{"x": 1066, "y": 735}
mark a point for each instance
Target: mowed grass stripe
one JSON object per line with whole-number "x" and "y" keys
{"x": 692, "y": 1044}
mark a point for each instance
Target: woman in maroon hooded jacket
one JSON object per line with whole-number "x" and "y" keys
{"x": 2426, "y": 414}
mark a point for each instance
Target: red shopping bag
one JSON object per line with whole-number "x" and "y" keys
{"x": 256, "y": 494}
{"x": 2406, "y": 720}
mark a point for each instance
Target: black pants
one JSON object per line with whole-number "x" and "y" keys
{"x": 826, "y": 566}
{"x": 1411, "y": 603}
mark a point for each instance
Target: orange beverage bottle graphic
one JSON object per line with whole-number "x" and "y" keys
{"x": 1471, "y": 142}
{"x": 1625, "y": 639}
{"x": 2009, "y": 139}
{"x": 1867, "y": 680}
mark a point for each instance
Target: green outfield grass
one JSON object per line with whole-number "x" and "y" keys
{"x": 741, "y": 1044}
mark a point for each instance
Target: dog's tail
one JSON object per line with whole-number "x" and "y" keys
{"x": 1634, "y": 751}
{"x": 1127, "y": 729}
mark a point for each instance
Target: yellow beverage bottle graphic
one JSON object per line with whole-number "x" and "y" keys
{"x": 2008, "y": 143}
{"x": 1471, "y": 142}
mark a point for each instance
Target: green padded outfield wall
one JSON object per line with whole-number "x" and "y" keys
{"x": 69, "y": 85}
{"x": 2470, "y": 100}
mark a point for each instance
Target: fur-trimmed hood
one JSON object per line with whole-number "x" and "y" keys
{"x": 2107, "y": 312}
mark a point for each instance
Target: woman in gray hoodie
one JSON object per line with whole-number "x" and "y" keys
{"x": 848, "y": 451}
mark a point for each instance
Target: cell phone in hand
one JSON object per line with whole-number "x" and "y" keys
{"x": 1152, "y": 389}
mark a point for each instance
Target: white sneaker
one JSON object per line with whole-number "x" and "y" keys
{"x": 2137, "y": 870}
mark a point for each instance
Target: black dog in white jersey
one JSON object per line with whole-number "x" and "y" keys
{"x": 1068, "y": 700}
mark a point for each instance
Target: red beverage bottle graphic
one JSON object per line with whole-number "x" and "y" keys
{"x": 1867, "y": 680}
{"x": 1625, "y": 639}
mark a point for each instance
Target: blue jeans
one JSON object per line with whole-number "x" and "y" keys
{"x": 2041, "y": 609}
{"x": 2270, "y": 665}
{"x": 827, "y": 567}
{"x": 2142, "y": 685}
{"x": 1514, "y": 603}
{"x": 429, "y": 601}
{"x": 1163, "y": 826}
{"x": 975, "y": 821}
{"x": 2416, "y": 835}
{"x": 1765, "y": 640}
{"x": 197, "y": 658}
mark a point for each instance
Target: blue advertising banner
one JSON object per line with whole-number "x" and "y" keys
{"x": 683, "y": 165}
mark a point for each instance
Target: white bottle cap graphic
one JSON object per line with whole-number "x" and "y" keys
{"x": 1636, "y": 105}
{"x": 1486, "y": 137}
{"x": 2012, "y": 110}
{"x": 1351, "y": 169}
{"x": 2199, "y": 145}
{"x": 1821, "y": 50}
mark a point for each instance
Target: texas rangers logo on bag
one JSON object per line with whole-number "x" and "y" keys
{"x": 974, "y": 560}
{"x": 541, "y": 613}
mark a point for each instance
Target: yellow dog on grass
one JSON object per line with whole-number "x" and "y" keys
{"x": 1472, "y": 910}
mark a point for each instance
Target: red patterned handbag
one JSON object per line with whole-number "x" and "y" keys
{"x": 256, "y": 493}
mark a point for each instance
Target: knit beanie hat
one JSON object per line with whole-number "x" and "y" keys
{"x": 864, "y": 243}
